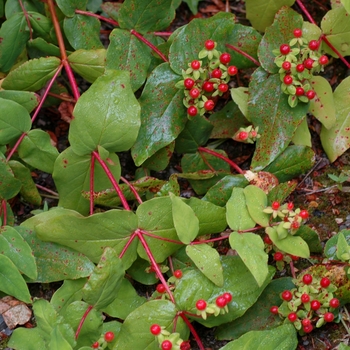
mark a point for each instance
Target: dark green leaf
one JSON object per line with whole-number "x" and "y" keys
{"x": 160, "y": 160}
{"x": 311, "y": 238}
{"x": 28, "y": 100}
{"x": 41, "y": 25}
{"x": 330, "y": 249}
{"x": 9, "y": 185}
{"x": 38, "y": 47}
{"x": 68, "y": 7}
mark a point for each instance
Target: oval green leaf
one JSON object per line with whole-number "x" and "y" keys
{"x": 256, "y": 201}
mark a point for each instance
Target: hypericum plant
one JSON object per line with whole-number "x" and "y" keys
{"x": 153, "y": 93}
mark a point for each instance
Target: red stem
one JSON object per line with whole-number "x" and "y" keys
{"x": 47, "y": 190}
{"x": 27, "y": 19}
{"x": 193, "y": 331}
{"x": 160, "y": 238}
{"x": 112, "y": 179}
{"x": 102, "y": 18}
{"x": 159, "y": 274}
{"x": 306, "y": 12}
{"x": 92, "y": 175}
{"x": 209, "y": 240}
{"x": 149, "y": 44}
{"x": 82, "y": 321}
{"x": 234, "y": 48}
{"x": 132, "y": 188}
{"x": 218, "y": 155}
{"x": 131, "y": 238}
{"x": 4, "y": 212}
{"x": 162, "y": 33}
{"x": 14, "y": 148}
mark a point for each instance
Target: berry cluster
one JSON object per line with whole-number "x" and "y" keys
{"x": 206, "y": 79}
{"x": 298, "y": 61}
{"x": 203, "y": 308}
{"x": 310, "y": 304}
{"x": 247, "y": 135}
{"x": 100, "y": 344}
{"x": 167, "y": 340}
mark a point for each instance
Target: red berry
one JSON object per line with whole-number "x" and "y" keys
{"x": 208, "y": 86}
{"x": 267, "y": 239}
{"x": 185, "y": 345}
{"x": 294, "y": 257}
{"x": 194, "y": 93}
{"x": 287, "y": 295}
{"x": 328, "y": 317}
{"x": 216, "y": 73}
{"x": 304, "y": 214}
{"x": 209, "y": 44}
{"x": 167, "y": 345}
{"x": 298, "y": 32}
{"x": 195, "y": 64}
{"x": 299, "y": 91}
{"x": 307, "y": 278}
{"x": 286, "y": 65}
{"x": 300, "y": 67}
{"x": 334, "y": 303}
{"x": 295, "y": 225}
{"x": 155, "y": 329}
{"x": 223, "y": 87}
{"x": 313, "y": 45}
{"x": 308, "y": 63}
{"x": 306, "y": 322}
{"x": 253, "y": 133}
{"x": 109, "y": 336}
{"x": 209, "y": 105}
{"x": 201, "y": 304}
{"x": 275, "y": 205}
{"x": 315, "y": 305}
{"x": 278, "y": 256}
{"x": 290, "y": 206}
{"x": 310, "y": 94}
{"x": 284, "y": 49}
{"x": 308, "y": 329}
{"x": 95, "y": 345}
{"x": 325, "y": 282}
{"x": 243, "y": 135}
{"x": 188, "y": 83}
{"x": 288, "y": 79}
{"x": 192, "y": 111}
{"x": 292, "y": 317}
{"x": 178, "y": 273}
{"x": 221, "y": 301}
{"x": 305, "y": 298}
{"x": 232, "y": 70}
{"x": 225, "y": 58}
{"x": 323, "y": 60}
{"x": 274, "y": 310}
{"x": 228, "y": 297}
{"x": 160, "y": 288}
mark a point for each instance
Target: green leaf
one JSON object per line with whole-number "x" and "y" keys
{"x": 144, "y": 17}
{"x": 28, "y": 100}
{"x": 268, "y": 109}
{"x": 238, "y": 281}
{"x": 294, "y": 161}
{"x": 207, "y": 260}
{"x": 14, "y": 120}
{"x": 27, "y": 339}
{"x": 36, "y": 150}
{"x": 335, "y": 26}
{"x": 256, "y": 201}
{"x": 9, "y": 185}
{"x": 261, "y": 13}
{"x": 18, "y": 251}
{"x": 258, "y": 317}
{"x": 11, "y": 281}
{"x": 22, "y": 78}
{"x": 90, "y": 64}
{"x": 330, "y": 249}
{"x": 335, "y": 141}
{"x": 111, "y": 98}
{"x": 83, "y": 32}
{"x": 343, "y": 249}
{"x": 72, "y": 177}
{"x": 91, "y": 235}
{"x": 38, "y": 47}
{"x": 185, "y": 220}
{"x": 160, "y": 125}
{"x": 240, "y": 97}
{"x": 311, "y": 237}
{"x": 280, "y": 32}
{"x": 346, "y": 4}
{"x": 134, "y": 333}
{"x": 281, "y": 338}
{"x": 14, "y": 34}
{"x": 293, "y": 245}
{"x": 68, "y": 7}
{"x": 41, "y": 25}
{"x": 138, "y": 271}
{"x": 105, "y": 280}
{"x": 62, "y": 337}
{"x": 54, "y": 261}
{"x": 160, "y": 160}
{"x": 250, "y": 247}
{"x": 302, "y": 136}
{"x": 323, "y": 107}
{"x": 237, "y": 214}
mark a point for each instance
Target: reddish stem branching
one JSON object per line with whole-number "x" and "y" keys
{"x": 193, "y": 331}
{"x": 112, "y": 180}
{"x": 218, "y": 155}
{"x": 216, "y": 239}
{"x": 160, "y": 238}
{"x": 131, "y": 238}
{"x": 234, "y": 48}
{"x": 27, "y": 19}
{"x": 132, "y": 188}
